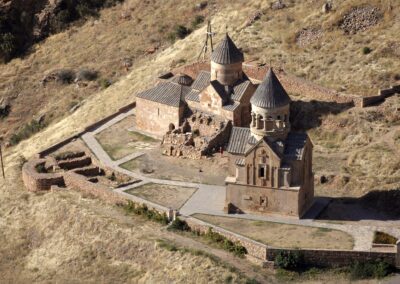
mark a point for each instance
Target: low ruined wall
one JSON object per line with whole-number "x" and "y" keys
{"x": 332, "y": 258}
{"x": 382, "y": 94}
{"x": 35, "y": 181}
{"x": 75, "y": 163}
{"x": 78, "y": 182}
{"x": 254, "y": 249}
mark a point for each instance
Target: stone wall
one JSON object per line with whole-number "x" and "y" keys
{"x": 75, "y": 163}
{"x": 332, "y": 258}
{"x": 324, "y": 258}
{"x": 80, "y": 183}
{"x": 35, "y": 181}
{"x": 382, "y": 94}
{"x": 155, "y": 117}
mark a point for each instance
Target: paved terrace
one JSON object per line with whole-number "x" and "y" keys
{"x": 209, "y": 199}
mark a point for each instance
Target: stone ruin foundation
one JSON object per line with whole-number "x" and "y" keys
{"x": 199, "y": 135}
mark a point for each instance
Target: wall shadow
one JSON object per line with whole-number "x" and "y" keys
{"x": 305, "y": 115}
{"x": 380, "y": 205}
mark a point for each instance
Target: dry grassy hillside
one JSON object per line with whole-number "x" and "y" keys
{"x": 53, "y": 236}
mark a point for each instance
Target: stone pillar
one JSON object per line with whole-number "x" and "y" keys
{"x": 398, "y": 254}
{"x": 265, "y": 124}
{"x": 253, "y": 119}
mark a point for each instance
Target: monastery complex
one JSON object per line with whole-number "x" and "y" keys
{"x": 270, "y": 167}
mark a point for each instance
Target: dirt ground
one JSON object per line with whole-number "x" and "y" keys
{"x": 283, "y": 235}
{"x": 118, "y": 141}
{"x": 211, "y": 170}
{"x": 166, "y": 195}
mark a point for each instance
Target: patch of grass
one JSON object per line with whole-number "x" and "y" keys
{"x": 143, "y": 210}
{"x": 384, "y": 238}
{"x": 198, "y": 19}
{"x": 179, "y": 32}
{"x": 27, "y": 131}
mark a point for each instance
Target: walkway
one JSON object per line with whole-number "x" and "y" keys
{"x": 209, "y": 199}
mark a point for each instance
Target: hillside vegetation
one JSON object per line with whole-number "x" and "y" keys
{"x": 53, "y": 236}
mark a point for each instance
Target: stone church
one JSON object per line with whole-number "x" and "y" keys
{"x": 270, "y": 167}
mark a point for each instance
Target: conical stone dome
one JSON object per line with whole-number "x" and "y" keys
{"x": 270, "y": 93}
{"x": 227, "y": 52}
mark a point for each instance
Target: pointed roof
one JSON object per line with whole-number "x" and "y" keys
{"x": 227, "y": 52}
{"x": 270, "y": 93}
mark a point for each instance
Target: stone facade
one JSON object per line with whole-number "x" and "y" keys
{"x": 156, "y": 118}
{"x": 270, "y": 167}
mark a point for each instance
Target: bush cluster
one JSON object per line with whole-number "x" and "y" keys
{"x": 289, "y": 260}
{"x": 370, "y": 269}
{"x": 40, "y": 168}
{"x": 234, "y": 247}
{"x": 179, "y": 225}
{"x": 179, "y": 32}
{"x": 27, "y": 131}
{"x": 143, "y": 210}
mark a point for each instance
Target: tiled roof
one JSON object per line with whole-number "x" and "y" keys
{"x": 239, "y": 89}
{"x": 202, "y": 81}
{"x": 238, "y": 140}
{"x": 227, "y": 52}
{"x": 193, "y": 95}
{"x": 294, "y": 146}
{"x": 270, "y": 93}
{"x": 221, "y": 91}
{"x": 167, "y": 93}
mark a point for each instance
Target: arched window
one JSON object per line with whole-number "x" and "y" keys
{"x": 278, "y": 117}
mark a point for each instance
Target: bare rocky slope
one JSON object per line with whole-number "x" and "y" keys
{"x": 65, "y": 237}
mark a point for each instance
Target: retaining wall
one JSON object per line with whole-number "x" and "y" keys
{"x": 332, "y": 258}
{"x": 254, "y": 249}
{"x": 78, "y": 182}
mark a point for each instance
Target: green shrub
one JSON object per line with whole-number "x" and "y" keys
{"x": 197, "y": 21}
{"x": 66, "y": 76}
{"x": 87, "y": 75}
{"x": 383, "y": 238}
{"x": 290, "y": 260}
{"x": 234, "y": 247}
{"x": 179, "y": 225}
{"x": 180, "y": 32}
{"x": 40, "y": 168}
{"x": 370, "y": 269}
{"x": 143, "y": 210}
{"x": 27, "y": 131}
{"x": 366, "y": 50}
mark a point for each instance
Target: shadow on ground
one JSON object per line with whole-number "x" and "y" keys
{"x": 376, "y": 205}
{"x": 306, "y": 115}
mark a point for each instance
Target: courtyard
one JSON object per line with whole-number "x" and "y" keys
{"x": 196, "y": 188}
